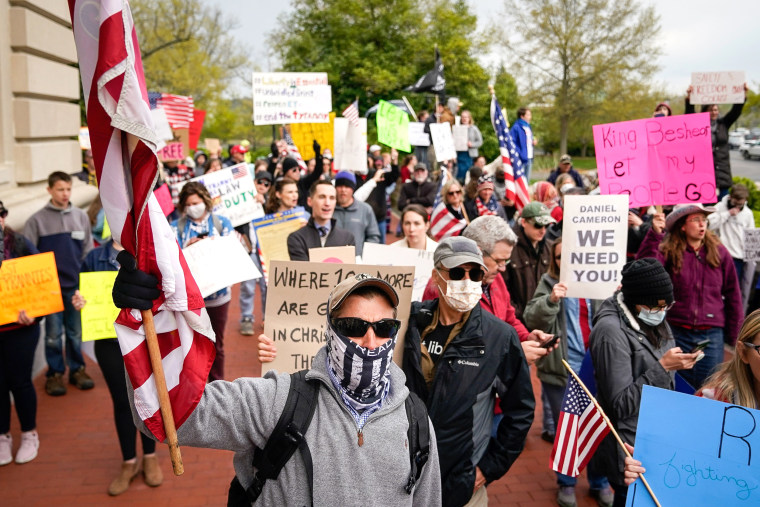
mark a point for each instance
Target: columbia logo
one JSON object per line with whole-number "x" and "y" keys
{"x": 468, "y": 363}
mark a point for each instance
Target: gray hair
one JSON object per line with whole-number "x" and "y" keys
{"x": 488, "y": 230}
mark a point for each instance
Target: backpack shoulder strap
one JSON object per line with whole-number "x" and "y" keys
{"x": 217, "y": 223}
{"x": 418, "y": 435}
{"x": 288, "y": 435}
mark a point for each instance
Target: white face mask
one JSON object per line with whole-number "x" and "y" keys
{"x": 652, "y": 319}
{"x": 462, "y": 295}
{"x": 196, "y": 210}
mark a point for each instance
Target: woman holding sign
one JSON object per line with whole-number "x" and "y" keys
{"x": 197, "y": 223}
{"x": 18, "y": 341}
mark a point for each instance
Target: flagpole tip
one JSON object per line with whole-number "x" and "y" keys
{"x": 490, "y": 89}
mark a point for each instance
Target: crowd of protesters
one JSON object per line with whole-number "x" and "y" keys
{"x": 494, "y": 304}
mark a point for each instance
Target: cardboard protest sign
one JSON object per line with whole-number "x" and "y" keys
{"x": 417, "y": 134}
{"x": 213, "y": 146}
{"x": 717, "y": 87}
{"x": 443, "y": 141}
{"x": 702, "y": 455}
{"x": 297, "y": 306}
{"x": 183, "y": 136}
{"x": 665, "y": 160}
{"x": 196, "y": 127}
{"x": 459, "y": 133}
{"x": 273, "y": 230}
{"x": 291, "y": 97}
{"x": 84, "y": 138}
{"x": 350, "y": 145}
{"x": 233, "y": 192}
{"x": 164, "y": 198}
{"x": 334, "y": 254}
{"x": 752, "y": 244}
{"x": 29, "y": 283}
{"x": 594, "y": 241}
{"x": 161, "y": 124}
{"x": 99, "y": 312}
{"x": 304, "y": 135}
{"x": 393, "y": 126}
{"x": 173, "y": 151}
{"x": 386, "y": 255}
{"x": 219, "y": 262}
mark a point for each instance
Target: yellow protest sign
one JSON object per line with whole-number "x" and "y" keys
{"x": 304, "y": 134}
{"x": 99, "y": 312}
{"x": 106, "y": 229}
{"x": 29, "y": 283}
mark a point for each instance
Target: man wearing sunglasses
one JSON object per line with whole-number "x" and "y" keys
{"x": 530, "y": 257}
{"x": 457, "y": 356}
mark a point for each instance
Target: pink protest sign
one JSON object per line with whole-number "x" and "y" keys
{"x": 664, "y": 160}
{"x": 164, "y": 198}
{"x": 172, "y": 151}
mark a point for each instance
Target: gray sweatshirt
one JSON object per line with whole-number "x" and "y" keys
{"x": 240, "y": 415}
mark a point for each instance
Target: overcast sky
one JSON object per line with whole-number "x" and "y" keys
{"x": 695, "y": 35}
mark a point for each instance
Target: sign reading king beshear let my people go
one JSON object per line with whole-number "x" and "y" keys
{"x": 291, "y": 97}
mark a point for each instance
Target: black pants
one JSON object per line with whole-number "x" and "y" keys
{"x": 621, "y": 494}
{"x": 111, "y": 364}
{"x": 16, "y": 358}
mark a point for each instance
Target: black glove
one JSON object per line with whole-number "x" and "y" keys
{"x": 317, "y": 148}
{"x": 275, "y": 151}
{"x": 133, "y": 288}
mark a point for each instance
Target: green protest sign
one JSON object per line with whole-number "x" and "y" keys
{"x": 393, "y": 126}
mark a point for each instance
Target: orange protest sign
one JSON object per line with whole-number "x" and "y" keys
{"x": 29, "y": 283}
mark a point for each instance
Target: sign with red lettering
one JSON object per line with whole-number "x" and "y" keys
{"x": 665, "y": 160}
{"x": 717, "y": 87}
{"x": 172, "y": 151}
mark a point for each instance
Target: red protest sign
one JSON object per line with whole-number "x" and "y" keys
{"x": 196, "y": 126}
{"x": 164, "y": 198}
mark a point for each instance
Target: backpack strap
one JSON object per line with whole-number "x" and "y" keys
{"x": 217, "y": 223}
{"x": 418, "y": 435}
{"x": 288, "y": 435}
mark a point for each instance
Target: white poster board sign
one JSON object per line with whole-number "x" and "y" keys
{"x": 417, "y": 134}
{"x": 752, "y": 245}
{"x": 291, "y": 97}
{"x": 443, "y": 141}
{"x": 386, "y": 255}
{"x": 350, "y": 145}
{"x": 219, "y": 262}
{"x": 717, "y": 87}
{"x": 460, "y": 137}
{"x": 594, "y": 241}
{"x": 161, "y": 124}
{"x": 234, "y": 193}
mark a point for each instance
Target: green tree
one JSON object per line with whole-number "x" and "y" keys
{"x": 572, "y": 52}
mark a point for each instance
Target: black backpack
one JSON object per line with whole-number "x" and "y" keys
{"x": 288, "y": 435}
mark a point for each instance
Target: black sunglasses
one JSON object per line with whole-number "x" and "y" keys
{"x": 266, "y": 183}
{"x": 476, "y": 273}
{"x": 537, "y": 226}
{"x": 353, "y": 327}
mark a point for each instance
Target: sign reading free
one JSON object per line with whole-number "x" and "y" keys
{"x": 665, "y": 160}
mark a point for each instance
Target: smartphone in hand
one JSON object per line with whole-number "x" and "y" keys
{"x": 550, "y": 342}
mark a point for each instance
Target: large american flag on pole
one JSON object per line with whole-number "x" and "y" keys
{"x": 580, "y": 430}
{"x": 123, "y": 146}
{"x": 514, "y": 175}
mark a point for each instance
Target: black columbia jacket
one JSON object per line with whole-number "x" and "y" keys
{"x": 484, "y": 359}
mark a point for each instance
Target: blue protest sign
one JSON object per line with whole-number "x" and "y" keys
{"x": 696, "y": 451}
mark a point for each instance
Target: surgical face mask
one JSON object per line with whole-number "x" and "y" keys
{"x": 462, "y": 295}
{"x": 196, "y": 210}
{"x": 652, "y": 319}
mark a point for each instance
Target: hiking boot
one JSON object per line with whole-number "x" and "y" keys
{"x": 566, "y": 496}
{"x": 246, "y": 327}
{"x": 54, "y": 385}
{"x": 30, "y": 444}
{"x": 119, "y": 485}
{"x": 604, "y": 497}
{"x": 6, "y": 443}
{"x": 81, "y": 380}
{"x": 152, "y": 471}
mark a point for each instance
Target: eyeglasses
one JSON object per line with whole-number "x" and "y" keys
{"x": 752, "y": 345}
{"x": 454, "y": 192}
{"x": 456, "y": 274}
{"x": 266, "y": 183}
{"x": 661, "y": 308}
{"x": 353, "y": 327}
{"x": 499, "y": 262}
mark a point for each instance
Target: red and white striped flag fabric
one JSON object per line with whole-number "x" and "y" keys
{"x": 580, "y": 430}
{"x": 178, "y": 108}
{"x": 443, "y": 224}
{"x": 351, "y": 113}
{"x": 516, "y": 184}
{"x": 292, "y": 150}
{"x": 123, "y": 146}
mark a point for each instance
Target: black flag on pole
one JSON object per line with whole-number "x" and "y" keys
{"x": 433, "y": 81}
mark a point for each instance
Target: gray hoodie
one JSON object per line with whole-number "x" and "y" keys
{"x": 240, "y": 415}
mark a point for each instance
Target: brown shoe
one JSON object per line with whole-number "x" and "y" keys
{"x": 152, "y": 471}
{"x": 54, "y": 385}
{"x": 81, "y": 380}
{"x": 119, "y": 485}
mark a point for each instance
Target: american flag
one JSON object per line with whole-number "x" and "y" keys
{"x": 292, "y": 151}
{"x": 442, "y": 223}
{"x": 580, "y": 430}
{"x": 516, "y": 184}
{"x": 351, "y": 113}
{"x": 124, "y": 148}
{"x": 178, "y": 108}
{"x": 239, "y": 170}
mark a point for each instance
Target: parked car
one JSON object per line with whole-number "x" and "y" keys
{"x": 750, "y": 149}
{"x": 735, "y": 140}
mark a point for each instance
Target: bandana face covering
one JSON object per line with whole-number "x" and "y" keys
{"x": 462, "y": 295}
{"x": 363, "y": 374}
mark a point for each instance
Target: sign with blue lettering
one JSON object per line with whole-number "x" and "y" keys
{"x": 696, "y": 451}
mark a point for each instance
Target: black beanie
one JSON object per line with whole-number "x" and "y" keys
{"x": 288, "y": 164}
{"x": 645, "y": 282}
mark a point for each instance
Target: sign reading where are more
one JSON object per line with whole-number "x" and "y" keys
{"x": 291, "y": 97}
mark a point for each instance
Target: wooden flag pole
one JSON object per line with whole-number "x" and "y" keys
{"x": 163, "y": 394}
{"x": 612, "y": 428}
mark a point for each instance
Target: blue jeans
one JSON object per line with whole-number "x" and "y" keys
{"x": 248, "y": 291}
{"x": 382, "y": 225}
{"x": 56, "y": 324}
{"x": 528, "y": 166}
{"x": 687, "y": 339}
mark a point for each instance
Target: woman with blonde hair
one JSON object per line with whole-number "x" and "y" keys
{"x": 449, "y": 218}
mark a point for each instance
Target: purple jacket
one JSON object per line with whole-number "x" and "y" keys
{"x": 705, "y": 296}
